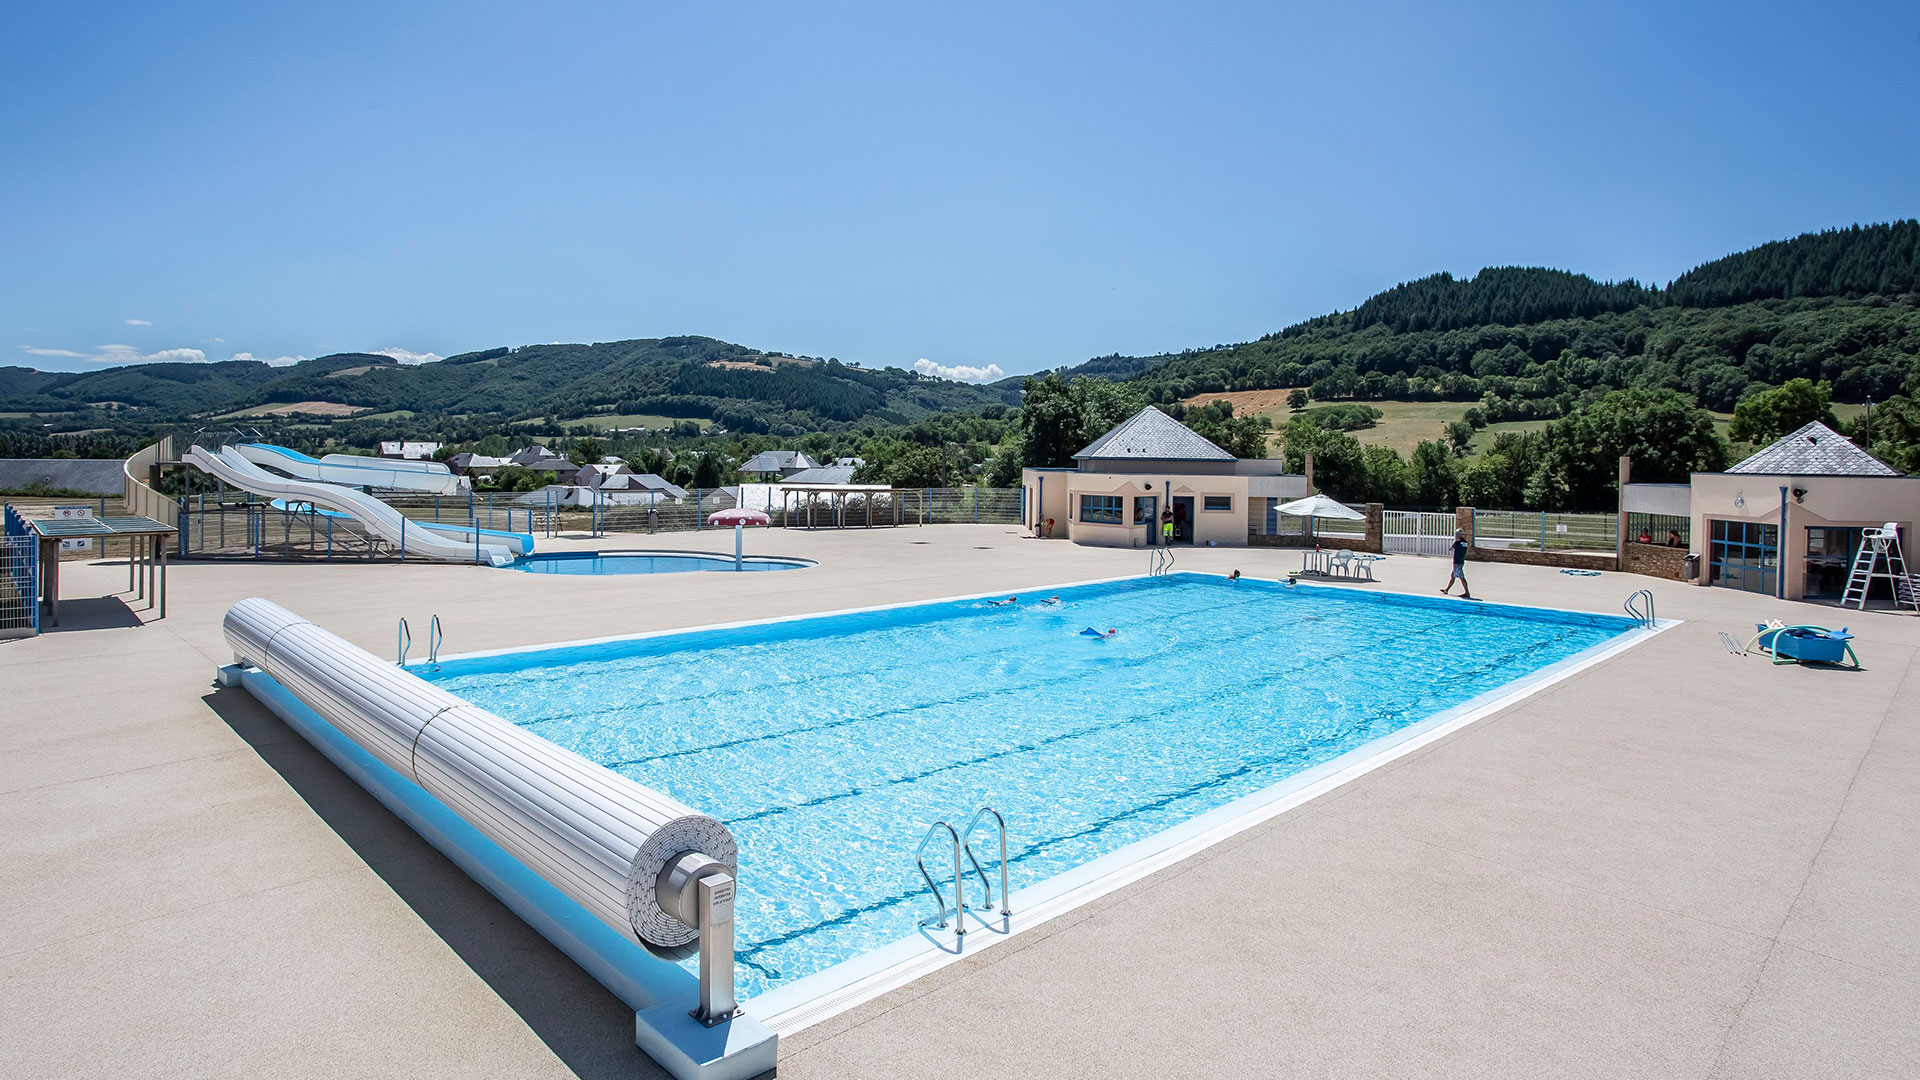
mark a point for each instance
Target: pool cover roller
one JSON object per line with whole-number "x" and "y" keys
{"x": 602, "y": 839}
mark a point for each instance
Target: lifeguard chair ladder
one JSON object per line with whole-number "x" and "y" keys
{"x": 1878, "y": 546}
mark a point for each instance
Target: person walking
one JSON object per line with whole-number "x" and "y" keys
{"x": 1459, "y": 567}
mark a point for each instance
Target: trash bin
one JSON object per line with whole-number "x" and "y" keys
{"x": 1693, "y": 567}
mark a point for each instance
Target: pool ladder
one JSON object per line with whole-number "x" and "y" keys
{"x": 1639, "y": 607}
{"x": 963, "y": 847}
{"x": 1160, "y": 561}
{"x": 403, "y": 641}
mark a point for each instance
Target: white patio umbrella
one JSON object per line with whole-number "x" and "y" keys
{"x": 1320, "y": 506}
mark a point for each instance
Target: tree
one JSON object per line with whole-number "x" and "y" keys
{"x": 713, "y": 469}
{"x": 1296, "y": 399}
{"x": 1664, "y": 431}
{"x": 1339, "y": 466}
{"x": 1433, "y": 475}
{"x": 1763, "y": 417}
{"x": 1059, "y": 417}
{"x": 589, "y": 451}
{"x": 1460, "y": 437}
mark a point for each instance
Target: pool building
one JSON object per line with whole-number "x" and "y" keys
{"x": 1122, "y": 484}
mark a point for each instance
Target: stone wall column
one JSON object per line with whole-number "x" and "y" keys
{"x": 1309, "y": 472}
{"x": 1463, "y": 520}
{"x": 1376, "y": 527}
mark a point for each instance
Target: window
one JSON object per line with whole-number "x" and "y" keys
{"x": 1146, "y": 509}
{"x": 1100, "y": 509}
{"x": 1218, "y": 502}
{"x": 1743, "y": 555}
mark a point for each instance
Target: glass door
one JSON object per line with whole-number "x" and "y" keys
{"x": 1744, "y": 555}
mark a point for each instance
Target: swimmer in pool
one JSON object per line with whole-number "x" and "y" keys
{"x": 1103, "y": 635}
{"x": 1002, "y": 603}
{"x": 1051, "y": 600}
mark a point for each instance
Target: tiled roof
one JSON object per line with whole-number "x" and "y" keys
{"x": 822, "y": 474}
{"x": 1153, "y": 435}
{"x": 778, "y": 461}
{"x": 1815, "y": 450}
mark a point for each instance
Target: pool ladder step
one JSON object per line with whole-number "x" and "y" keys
{"x": 963, "y": 848}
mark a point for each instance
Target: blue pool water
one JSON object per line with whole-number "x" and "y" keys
{"x": 645, "y": 562}
{"x": 830, "y": 744}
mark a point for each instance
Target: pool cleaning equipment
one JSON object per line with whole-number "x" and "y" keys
{"x": 656, "y": 872}
{"x": 1804, "y": 644}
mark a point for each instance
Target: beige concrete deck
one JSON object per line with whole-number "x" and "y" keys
{"x": 1677, "y": 864}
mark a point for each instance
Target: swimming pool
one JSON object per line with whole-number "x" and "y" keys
{"x": 586, "y": 563}
{"x": 829, "y": 744}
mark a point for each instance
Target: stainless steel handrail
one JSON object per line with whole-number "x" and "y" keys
{"x": 967, "y": 838}
{"x": 434, "y": 637}
{"x": 959, "y": 880}
{"x": 1633, "y": 609}
{"x": 403, "y": 640}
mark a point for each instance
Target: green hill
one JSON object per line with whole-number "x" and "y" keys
{"x": 1838, "y": 306}
{"x": 699, "y": 378}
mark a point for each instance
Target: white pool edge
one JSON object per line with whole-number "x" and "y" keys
{"x": 825, "y": 994}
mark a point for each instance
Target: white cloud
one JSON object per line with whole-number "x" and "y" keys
{"x": 213, "y": 341}
{"x": 959, "y": 373}
{"x": 124, "y": 354}
{"x": 137, "y": 322}
{"x": 127, "y": 354}
{"x": 406, "y": 356}
{"x": 270, "y": 361}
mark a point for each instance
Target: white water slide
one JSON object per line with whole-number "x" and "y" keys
{"x": 409, "y": 537}
{"x": 425, "y": 477}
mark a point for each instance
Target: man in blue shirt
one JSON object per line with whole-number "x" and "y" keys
{"x": 1459, "y": 566}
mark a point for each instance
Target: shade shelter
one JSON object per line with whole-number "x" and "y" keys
{"x": 146, "y": 554}
{"x": 739, "y": 519}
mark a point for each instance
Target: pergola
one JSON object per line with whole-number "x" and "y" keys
{"x": 146, "y": 554}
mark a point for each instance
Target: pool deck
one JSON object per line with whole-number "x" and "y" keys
{"x": 1676, "y": 864}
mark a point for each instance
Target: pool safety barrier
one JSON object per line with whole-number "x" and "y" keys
{"x": 657, "y": 873}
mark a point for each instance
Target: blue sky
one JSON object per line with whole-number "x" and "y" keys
{"x": 1019, "y": 186}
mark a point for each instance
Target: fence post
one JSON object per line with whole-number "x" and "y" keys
{"x": 1543, "y": 530}
{"x": 976, "y": 506}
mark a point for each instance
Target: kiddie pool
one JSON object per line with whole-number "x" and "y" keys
{"x": 588, "y": 563}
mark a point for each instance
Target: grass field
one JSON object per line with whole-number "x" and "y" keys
{"x": 1403, "y": 425}
{"x": 609, "y": 421}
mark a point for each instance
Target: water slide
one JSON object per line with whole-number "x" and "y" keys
{"x": 425, "y": 477}
{"x": 383, "y": 521}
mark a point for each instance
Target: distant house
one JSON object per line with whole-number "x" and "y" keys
{"x": 409, "y": 451}
{"x": 1149, "y": 463}
{"x": 469, "y": 464}
{"x": 822, "y": 475}
{"x": 771, "y": 465}
{"x": 850, "y": 461}
{"x": 540, "y": 459}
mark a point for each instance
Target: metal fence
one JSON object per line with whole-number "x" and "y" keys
{"x": 19, "y": 576}
{"x": 237, "y": 526}
{"x": 1541, "y": 531}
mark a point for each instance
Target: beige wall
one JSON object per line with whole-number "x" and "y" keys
{"x": 1830, "y": 501}
{"x": 1061, "y": 501}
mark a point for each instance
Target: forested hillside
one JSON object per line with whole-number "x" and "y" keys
{"x": 734, "y": 386}
{"x": 1837, "y": 306}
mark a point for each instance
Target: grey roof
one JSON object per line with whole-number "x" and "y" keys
{"x": 66, "y": 474}
{"x": 778, "y": 461}
{"x": 1815, "y": 450}
{"x": 1153, "y": 435}
{"x": 822, "y": 474}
